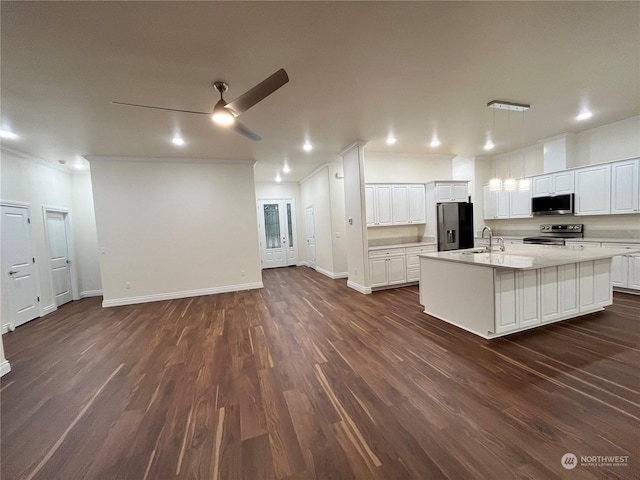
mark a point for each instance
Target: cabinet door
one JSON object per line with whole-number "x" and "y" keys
{"x": 417, "y": 212}
{"x": 542, "y": 185}
{"x": 549, "y": 297}
{"x": 625, "y": 187}
{"x": 593, "y": 190}
{"x": 505, "y": 301}
{"x": 568, "y": 289}
{"x": 378, "y": 271}
{"x": 459, "y": 192}
{"x": 520, "y": 204}
{"x": 489, "y": 203}
{"x": 396, "y": 270}
{"x": 633, "y": 271}
{"x": 502, "y": 204}
{"x": 369, "y": 201}
{"x": 444, "y": 192}
{"x": 528, "y": 308}
{"x": 400, "y": 204}
{"x": 563, "y": 183}
{"x": 619, "y": 271}
{"x": 383, "y": 204}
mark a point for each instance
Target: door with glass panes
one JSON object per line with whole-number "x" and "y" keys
{"x": 278, "y": 235}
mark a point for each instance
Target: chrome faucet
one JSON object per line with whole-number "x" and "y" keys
{"x": 500, "y": 241}
{"x": 488, "y": 229}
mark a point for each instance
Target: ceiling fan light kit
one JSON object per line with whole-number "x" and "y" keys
{"x": 225, "y": 113}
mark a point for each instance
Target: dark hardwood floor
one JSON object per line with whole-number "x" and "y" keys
{"x": 307, "y": 378}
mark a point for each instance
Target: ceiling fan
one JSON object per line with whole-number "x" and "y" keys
{"x": 225, "y": 113}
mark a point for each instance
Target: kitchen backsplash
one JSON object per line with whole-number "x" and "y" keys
{"x": 600, "y": 226}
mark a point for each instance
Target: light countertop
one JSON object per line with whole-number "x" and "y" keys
{"x": 529, "y": 257}
{"x": 588, "y": 239}
{"x": 402, "y": 245}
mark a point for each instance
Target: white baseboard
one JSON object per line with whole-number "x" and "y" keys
{"x": 358, "y": 287}
{"x": 332, "y": 275}
{"x": 49, "y": 309}
{"x": 116, "y": 302}
{"x": 91, "y": 293}
{"x": 4, "y": 368}
{"x": 303, "y": 264}
{"x": 5, "y": 328}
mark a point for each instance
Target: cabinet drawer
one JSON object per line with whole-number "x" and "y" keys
{"x": 413, "y": 261}
{"x": 621, "y": 245}
{"x": 392, "y": 252}
{"x": 418, "y": 250}
{"x": 413, "y": 274}
{"x": 582, "y": 244}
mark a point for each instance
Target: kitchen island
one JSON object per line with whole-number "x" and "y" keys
{"x": 493, "y": 294}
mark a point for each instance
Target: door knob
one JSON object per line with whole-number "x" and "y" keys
{"x": 11, "y": 272}
{"x": 68, "y": 261}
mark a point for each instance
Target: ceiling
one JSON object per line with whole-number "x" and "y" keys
{"x": 358, "y": 70}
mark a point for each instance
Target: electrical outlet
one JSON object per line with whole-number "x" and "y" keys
{"x": 355, "y": 271}
{"x": 103, "y": 250}
{"x": 338, "y": 234}
{"x": 127, "y": 285}
{"x": 242, "y": 273}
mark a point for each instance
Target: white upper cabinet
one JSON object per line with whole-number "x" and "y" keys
{"x": 520, "y": 204}
{"x": 625, "y": 187}
{"x": 394, "y": 204}
{"x": 496, "y": 204}
{"x": 452, "y": 192}
{"x": 400, "y": 204}
{"x": 593, "y": 190}
{"x": 558, "y": 183}
{"x": 417, "y": 204}
{"x": 378, "y": 205}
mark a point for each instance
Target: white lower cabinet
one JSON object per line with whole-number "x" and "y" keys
{"x": 396, "y": 266}
{"x": 625, "y": 269}
{"x": 529, "y": 297}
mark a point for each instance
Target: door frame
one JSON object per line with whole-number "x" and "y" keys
{"x": 294, "y": 225}
{"x": 71, "y": 251}
{"x": 8, "y": 324}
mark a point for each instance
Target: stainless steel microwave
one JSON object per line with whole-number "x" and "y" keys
{"x": 555, "y": 205}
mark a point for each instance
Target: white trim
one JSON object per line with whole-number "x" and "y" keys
{"x": 5, "y": 368}
{"x": 5, "y": 328}
{"x": 91, "y": 158}
{"x": 71, "y": 250}
{"x": 116, "y": 302}
{"x": 351, "y": 146}
{"x": 13, "y": 203}
{"x": 332, "y": 275}
{"x": 24, "y": 156}
{"x": 319, "y": 169}
{"x": 358, "y": 287}
{"x": 49, "y": 309}
{"x": 91, "y": 293}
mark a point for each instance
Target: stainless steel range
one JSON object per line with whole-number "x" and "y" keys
{"x": 556, "y": 234}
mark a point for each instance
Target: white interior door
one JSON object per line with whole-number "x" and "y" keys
{"x": 310, "y": 234}
{"x": 278, "y": 233}
{"x": 59, "y": 260}
{"x": 18, "y": 269}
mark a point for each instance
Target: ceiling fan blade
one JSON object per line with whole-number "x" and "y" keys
{"x": 261, "y": 91}
{"x": 243, "y": 130}
{"x": 159, "y": 108}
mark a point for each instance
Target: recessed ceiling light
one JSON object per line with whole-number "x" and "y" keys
{"x": 435, "y": 142}
{"x": 8, "y": 134}
{"x": 584, "y": 115}
{"x": 278, "y": 178}
{"x": 177, "y": 141}
{"x": 286, "y": 169}
{"x": 489, "y": 145}
{"x": 391, "y": 140}
{"x": 79, "y": 166}
{"x": 307, "y": 147}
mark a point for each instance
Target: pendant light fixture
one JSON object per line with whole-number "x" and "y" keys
{"x": 524, "y": 184}
{"x": 496, "y": 184}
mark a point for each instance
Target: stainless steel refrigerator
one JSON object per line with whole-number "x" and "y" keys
{"x": 455, "y": 226}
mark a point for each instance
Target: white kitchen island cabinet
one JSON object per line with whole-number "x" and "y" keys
{"x": 499, "y": 293}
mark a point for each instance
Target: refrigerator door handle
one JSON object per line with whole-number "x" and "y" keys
{"x": 451, "y": 236}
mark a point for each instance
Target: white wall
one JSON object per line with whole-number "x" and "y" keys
{"x": 287, "y": 190}
{"x": 338, "y": 220}
{"x": 175, "y": 228}
{"x": 615, "y": 141}
{"x": 86, "y": 238}
{"x": 34, "y": 181}
{"x": 384, "y": 167}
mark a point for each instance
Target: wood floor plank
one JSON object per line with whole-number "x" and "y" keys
{"x": 308, "y": 379}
